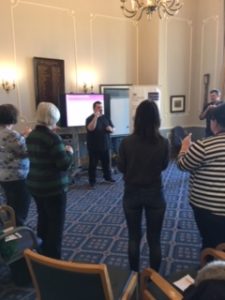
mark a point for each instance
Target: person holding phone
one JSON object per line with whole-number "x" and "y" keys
{"x": 99, "y": 128}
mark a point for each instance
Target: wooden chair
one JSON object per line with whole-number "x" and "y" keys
{"x": 13, "y": 241}
{"x": 211, "y": 253}
{"x": 7, "y": 217}
{"x": 176, "y": 136}
{"x": 155, "y": 287}
{"x": 26, "y": 238}
{"x": 55, "y": 279}
{"x": 221, "y": 247}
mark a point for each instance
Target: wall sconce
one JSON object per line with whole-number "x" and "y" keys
{"x": 8, "y": 74}
{"x": 8, "y": 85}
{"x": 86, "y": 80}
{"x": 86, "y": 89}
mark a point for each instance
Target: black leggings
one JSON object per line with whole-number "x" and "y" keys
{"x": 152, "y": 202}
{"x": 210, "y": 226}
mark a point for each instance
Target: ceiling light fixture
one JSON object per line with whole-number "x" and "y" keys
{"x": 136, "y": 8}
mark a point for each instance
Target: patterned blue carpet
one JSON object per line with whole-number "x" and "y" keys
{"x": 95, "y": 229}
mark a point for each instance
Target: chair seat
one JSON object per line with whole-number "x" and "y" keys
{"x": 54, "y": 278}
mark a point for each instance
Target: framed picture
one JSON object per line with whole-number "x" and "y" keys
{"x": 177, "y": 104}
{"x": 49, "y": 79}
{"x": 206, "y": 78}
{"x": 117, "y": 106}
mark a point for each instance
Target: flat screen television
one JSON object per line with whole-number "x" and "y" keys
{"x": 75, "y": 108}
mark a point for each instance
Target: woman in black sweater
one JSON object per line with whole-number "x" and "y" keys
{"x": 142, "y": 157}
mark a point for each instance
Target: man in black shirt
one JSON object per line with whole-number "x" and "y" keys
{"x": 98, "y": 128}
{"x": 205, "y": 114}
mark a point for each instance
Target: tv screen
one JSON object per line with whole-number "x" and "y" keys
{"x": 77, "y": 107}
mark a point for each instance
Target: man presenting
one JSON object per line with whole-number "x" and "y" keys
{"x": 205, "y": 114}
{"x": 98, "y": 128}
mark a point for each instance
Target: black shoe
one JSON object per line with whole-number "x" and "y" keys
{"x": 92, "y": 185}
{"x": 111, "y": 180}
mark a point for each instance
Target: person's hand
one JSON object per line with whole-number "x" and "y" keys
{"x": 186, "y": 143}
{"x": 211, "y": 106}
{"x": 69, "y": 148}
{"x": 26, "y": 131}
{"x": 109, "y": 128}
{"x": 56, "y": 129}
{"x": 97, "y": 114}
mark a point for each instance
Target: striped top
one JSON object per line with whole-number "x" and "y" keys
{"x": 49, "y": 162}
{"x": 205, "y": 160}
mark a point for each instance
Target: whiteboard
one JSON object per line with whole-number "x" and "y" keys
{"x": 139, "y": 93}
{"x": 119, "y": 108}
{"x": 123, "y": 102}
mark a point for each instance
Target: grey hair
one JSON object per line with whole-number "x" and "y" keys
{"x": 47, "y": 114}
{"x": 214, "y": 270}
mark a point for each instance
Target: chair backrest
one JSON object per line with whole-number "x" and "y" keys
{"x": 7, "y": 217}
{"x": 221, "y": 247}
{"x": 177, "y": 134}
{"x": 208, "y": 254}
{"x": 155, "y": 287}
{"x": 13, "y": 240}
{"x": 57, "y": 279}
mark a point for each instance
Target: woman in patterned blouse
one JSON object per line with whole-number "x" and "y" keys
{"x": 14, "y": 163}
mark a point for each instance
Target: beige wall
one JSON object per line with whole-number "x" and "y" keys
{"x": 94, "y": 37}
{"x": 187, "y": 46}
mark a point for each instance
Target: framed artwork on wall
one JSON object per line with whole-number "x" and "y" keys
{"x": 177, "y": 104}
{"x": 49, "y": 79}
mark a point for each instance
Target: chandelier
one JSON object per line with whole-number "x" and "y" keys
{"x": 136, "y": 8}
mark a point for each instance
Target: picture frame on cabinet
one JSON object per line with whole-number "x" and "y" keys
{"x": 177, "y": 103}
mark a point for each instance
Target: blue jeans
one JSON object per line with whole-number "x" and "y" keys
{"x": 151, "y": 201}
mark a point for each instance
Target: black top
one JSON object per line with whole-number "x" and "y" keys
{"x": 99, "y": 138}
{"x": 142, "y": 162}
{"x": 208, "y": 131}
